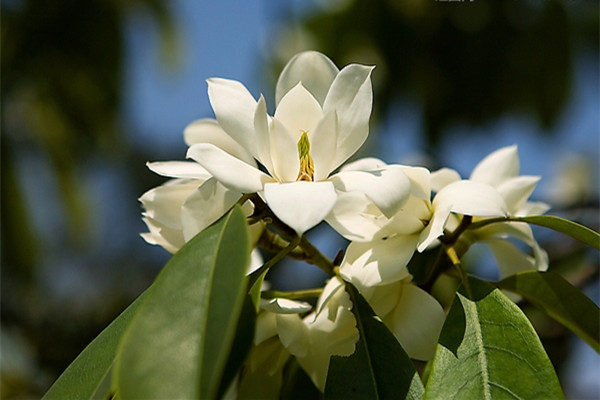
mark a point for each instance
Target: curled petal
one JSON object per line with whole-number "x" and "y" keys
{"x": 179, "y": 169}
{"x": 168, "y": 238}
{"x": 234, "y": 108}
{"x": 435, "y": 227}
{"x": 388, "y": 188}
{"x": 163, "y": 203}
{"x": 379, "y": 263}
{"x": 230, "y": 171}
{"x": 497, "y": 167}
{"x": 208, "y": 130}
{"x": 301, "y": 205}
{"x": 355, "y": 218}
{"x": 205, "y": 205}
{"x": 351, "y": 96}
{"x": 315, "y": 70}
{"x": 285, "y": 306}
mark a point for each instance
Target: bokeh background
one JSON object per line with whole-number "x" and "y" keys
{"x": 91, "y": 90}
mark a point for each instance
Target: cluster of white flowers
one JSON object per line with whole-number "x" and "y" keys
{"x": 386, "y": 211}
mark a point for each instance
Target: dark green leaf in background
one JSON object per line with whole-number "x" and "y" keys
{"x": 178, "y": 343}
{"x": 498, "y": 356}
{"x": 379, "y": 367}
{"x": 560, "y": 300}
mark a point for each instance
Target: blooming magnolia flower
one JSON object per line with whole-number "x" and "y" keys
{"x": 419, "y": 221}
{"x": 328, "y": 330}
{"x": 180, "y": 208}
{"x": 321, "y": 119}
{"x": 500, "y": 170}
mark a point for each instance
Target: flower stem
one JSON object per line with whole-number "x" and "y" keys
{"x": 273, "y": 260}
{"x": 297, "y": 294}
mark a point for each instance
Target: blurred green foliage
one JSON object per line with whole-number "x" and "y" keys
{"x": 62, "y": 71}
{"x": 468, "y": 62}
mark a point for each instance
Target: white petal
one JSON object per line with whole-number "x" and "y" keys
{"x": 163, "y": 203}
{"x": 285, "y": 306}
{"x": 323, "y": 144}
{"x": 352, "y": 218}
{"x": 498, "y": 166}
{"x": 170, "y": 239}
{"x": 298, "y": 111}
{"x": 234, "y": 108}
{"x": 284, "y": 152}
{"x": 443, "y": 177}
{"x": 364, "y": 164}
{"x": 179, "y": 169}
{"x": 435, "y": 228}
{"x": 256, "y": 260}
{"x": 351, "y": 96}
{"x": 301, "y": 205}
{"x": 293, "y": 334}
{"x": 509, "y": 258}
{"x": 209, "y": 131}
{"x": 388, "y": 188}
{"x": 315, "y": 70}
{"x": 420, "y": 181}
{"x": 516, "y": 191}
{"x": 230, "y": 171}
{"x": 417, "y": 322}
{"x": 379, "y": 263}
{"x": 261, "y": 128}
{"x": 205, "y": 205}
{"x": 266, "y": 327}
{"x": 471, "y": 198}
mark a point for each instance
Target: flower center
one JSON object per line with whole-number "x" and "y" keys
{"x": 307, "y": 167}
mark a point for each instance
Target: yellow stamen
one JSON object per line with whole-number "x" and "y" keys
{"x": 307, "y": 167}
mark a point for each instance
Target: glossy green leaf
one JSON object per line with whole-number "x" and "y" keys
{"x": 570, "y": 228}
{"x": 489, "y": 350}
{"x": 560, "y": 300}
{"x": 573, "y": 229}
{"x": 379, "y": 367}
{"x": 88, "y": 376}
{"x": 178, "y": 343}
{"x": 242, "y": 342}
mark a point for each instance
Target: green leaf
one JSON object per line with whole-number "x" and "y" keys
{"x": 560, "y": 300}
{"x": 379, "y": 367}
{"x": 242, "y": 342}
{"x": 573, "y": 229}
{"x": 179, "y": 341}
{"x": 88, "y": 376}
{"x": 496, "y": 355}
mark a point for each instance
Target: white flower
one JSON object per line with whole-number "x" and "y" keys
{"x": 500, "y": 170}
{"x": 419, "y": 220}
{"x": 321, "y": 119}
{"x": 180, "y": 208}
{"x": 329, "y": 330}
